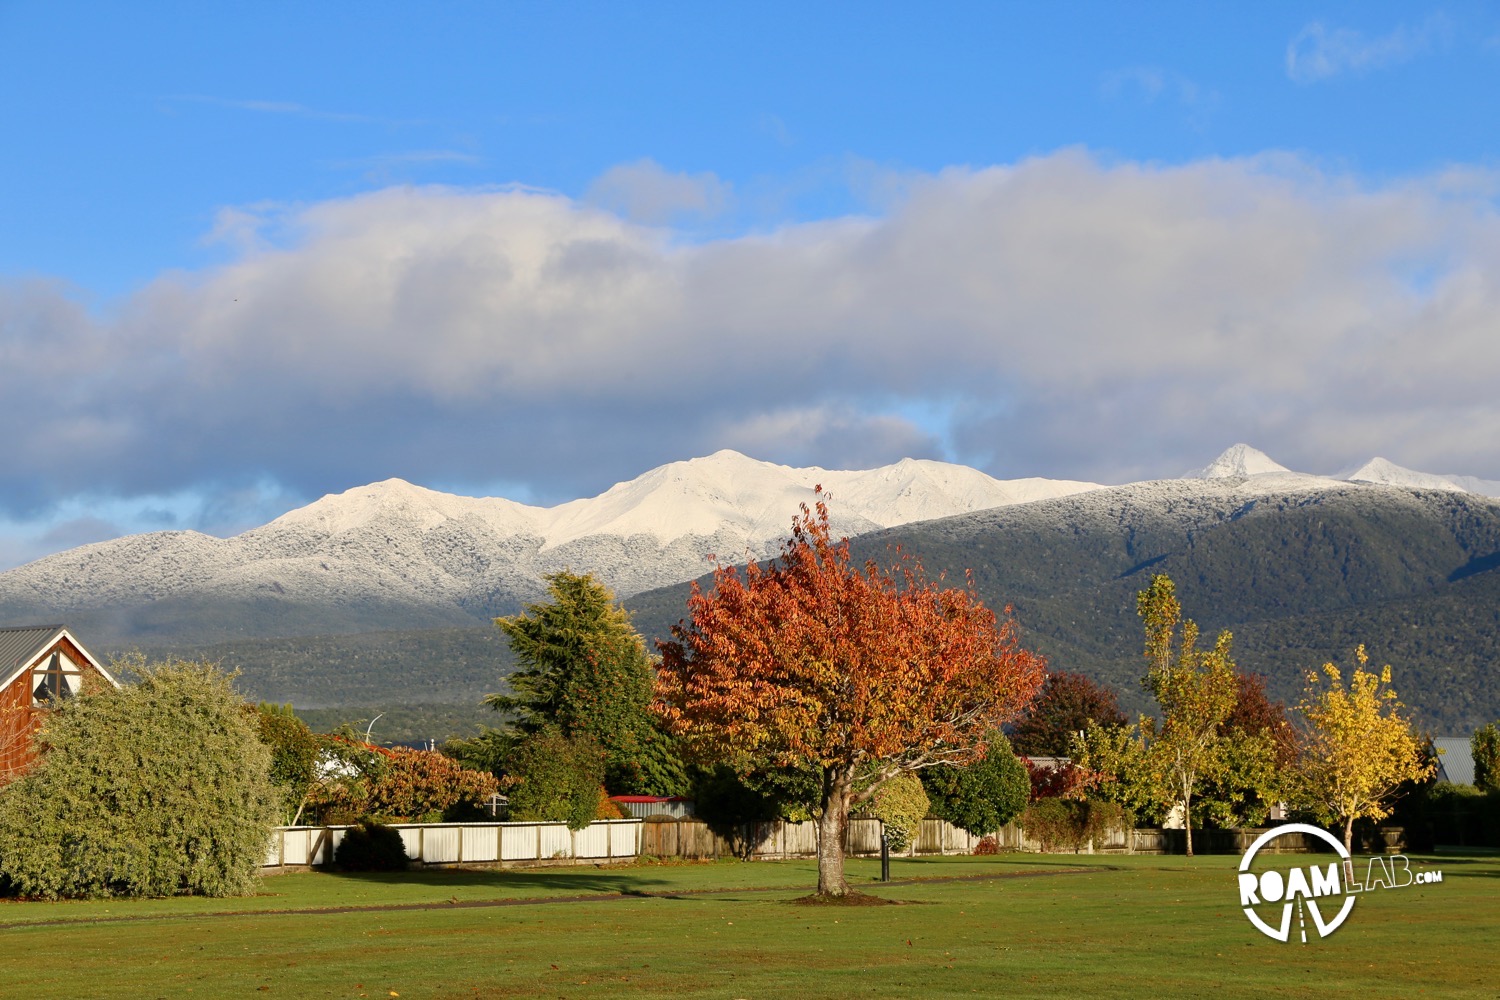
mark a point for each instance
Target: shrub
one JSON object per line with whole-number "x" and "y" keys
{"x": 294, "y": 756}
{"x": 555, "y": 779}
{"x": 987, "y": 845}
{"x": 984, "y": 796}
{"x": 900, "y": 804}
{"x": 607, "y": 809}
{"x": 1069, "y": 823}
{"x": 405, "y": 785}
{"x": 371, "y": 847}
{"x": 1485, "y": 746}
{"x": 1464, "y": 816}
{"x": 154, "y": 789}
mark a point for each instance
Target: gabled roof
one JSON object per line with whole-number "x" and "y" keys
{"x": 21, "y": 647}
{"x": 1456, "y": 761}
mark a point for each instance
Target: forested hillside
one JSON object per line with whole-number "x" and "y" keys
{"x": 1299, "y": 578}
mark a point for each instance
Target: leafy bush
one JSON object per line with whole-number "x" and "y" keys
{"x": 294, "y": 756}
{"x": 488, "y": 751}
{"x": 371, "y": 847}
{"x": 1463, "y": 816}
{"x": 987, "y": 845}
{"x": 900, "y": 804}
{"x": 418, "y": 786}
{"x": 984, "y": 796}
{"x": 154, "y": 789}
{"x": 1071, "y": 823}
{"x": 726, "y": 800}
{"x": 555, "y": 779}
{"x": 607, "y": 809}
{"x": 1485, "y": 746}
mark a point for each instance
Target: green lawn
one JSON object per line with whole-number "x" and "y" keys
{"x": 1044, "y": 926}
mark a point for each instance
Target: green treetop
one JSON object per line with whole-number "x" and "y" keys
{"x": 586, "y": 671}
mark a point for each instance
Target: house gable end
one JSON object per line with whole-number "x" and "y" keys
{"x": 23, "y": 649}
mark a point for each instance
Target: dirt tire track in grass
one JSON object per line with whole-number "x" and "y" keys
{"x": 474, "y": 904}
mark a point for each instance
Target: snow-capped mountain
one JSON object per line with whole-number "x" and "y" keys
{"x": 395, "y": 555}
{"x": 394, "y": 545}
{"x": 1239, "y": 460}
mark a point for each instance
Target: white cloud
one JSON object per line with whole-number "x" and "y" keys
{"x": 644, "y": 192}
{"x": 1318, "y": 52}
{"x": 1058, "y": 316}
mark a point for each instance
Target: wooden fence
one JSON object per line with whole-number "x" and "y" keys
{"x": 628, "y": 839}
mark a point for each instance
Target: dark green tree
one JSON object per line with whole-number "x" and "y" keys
{"x": 984, "y": 796}
{"x": 157, "y": 788}
{"x": 294, "y": 756}
{"x": 1485, "y": 745}
{"x": 585, "y": 670}
{"x": 487, "y": 751}
{"x": 555, "y": 778}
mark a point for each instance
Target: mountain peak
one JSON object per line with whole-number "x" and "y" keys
{"x": 1386, "y": 473}
{"x": 1238, "y": 461}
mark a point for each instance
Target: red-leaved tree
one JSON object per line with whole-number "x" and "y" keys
{"x": 856, "y": 672}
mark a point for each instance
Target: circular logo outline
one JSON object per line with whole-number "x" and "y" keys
{"x": 1284, "y": 932}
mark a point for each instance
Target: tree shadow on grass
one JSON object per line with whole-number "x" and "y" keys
{"x": 518, "y": 882}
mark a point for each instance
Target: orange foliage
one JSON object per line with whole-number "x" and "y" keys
{"x": 810, "y": 660}
{"x": 606, "y": 808}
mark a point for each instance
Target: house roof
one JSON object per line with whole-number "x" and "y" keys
{"x": 1455, "y": 759}
{"x": 22, "y": 646}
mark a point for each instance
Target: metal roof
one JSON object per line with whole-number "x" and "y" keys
{"x": 21, "y": 644}
{"x": 1456, "y": 761}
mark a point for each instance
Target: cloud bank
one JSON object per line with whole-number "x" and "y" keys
{"x": 1060, "y": 316}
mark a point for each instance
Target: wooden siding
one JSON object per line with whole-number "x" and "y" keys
{"x": 19, "y": 720}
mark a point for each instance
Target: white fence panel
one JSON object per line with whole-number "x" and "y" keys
{"x": 411, "y": 839}
{"x": 479, "y": 842}
{"x": 591, "y": 842}
{"x": 519, "y": 842}
{"x": 439, "y": 844}
{"x": 556, "y": 840}
{"x": 624, "y": 840}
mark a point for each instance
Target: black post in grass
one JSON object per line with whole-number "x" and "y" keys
{"x": 885, "y": 855}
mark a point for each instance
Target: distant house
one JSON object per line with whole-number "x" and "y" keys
{"x": 1455, "y": 759}
{"x": 641, "y": 806}
{"x": 39, "y": 666}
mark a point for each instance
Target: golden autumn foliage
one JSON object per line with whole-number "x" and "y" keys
{"x": 1359, "y": 747}
{"x": 1196, "y": 689}
{"x": 856, "y": 672}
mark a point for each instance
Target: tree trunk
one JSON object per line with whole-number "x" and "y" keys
{"x": 1187, "y": 818}
{"x": 837, "y": 786}
{"x": 1349, "y": 834}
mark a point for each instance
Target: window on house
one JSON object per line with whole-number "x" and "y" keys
{"x": 57, "y": 679}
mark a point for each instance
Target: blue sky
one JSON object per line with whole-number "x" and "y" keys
{"x": 251, "y": 254}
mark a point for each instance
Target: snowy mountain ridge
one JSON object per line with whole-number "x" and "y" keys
{"x": 393, "y": 551}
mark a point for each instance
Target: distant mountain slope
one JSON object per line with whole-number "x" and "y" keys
{"x": 383, "y": 595}
{"x": 395, "y": 555}
{"x": 1300, "y": 569}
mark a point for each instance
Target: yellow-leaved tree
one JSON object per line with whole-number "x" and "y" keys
{"x": 1195, "y": 689}
{"x": 1359, "y": 747}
